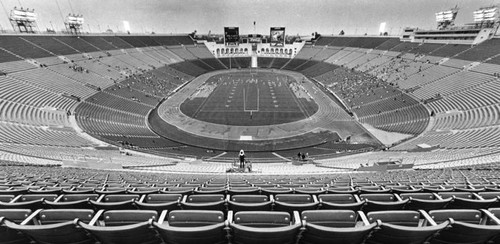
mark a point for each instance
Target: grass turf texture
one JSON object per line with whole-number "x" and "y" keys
{"x": 246, "y": 99}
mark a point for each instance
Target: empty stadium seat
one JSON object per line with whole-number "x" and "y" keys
{"x": 424, "y": 201}
{"x": 467, "y": 226}
{"x": 56, "y": 226}
{"x": 264, "y": 227}
{"x": 68, "y": 201}
{"x": 193, "y": 226}
{"x": 159, "y": 202}
{"x": 403, "y": 226}
{"x": 382, "y": 201}
{"x": 238, "y": 203}
{"x": 340, "y": 201}
{"x": 115, "y": 202}
{"x": 204, "y": 202}
{"x": 12, "y": 217}
{"x": 123, "y": 226}
{"x": 332, "y": 226}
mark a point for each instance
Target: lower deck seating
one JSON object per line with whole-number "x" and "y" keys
{"x": 134, "y": 207}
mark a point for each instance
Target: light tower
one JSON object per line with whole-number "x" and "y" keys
{"x": 74, "y": 23}
{"x": 23, "y": 20}
{"x": 487, "y": 17}
{"x": 446, "y": 19}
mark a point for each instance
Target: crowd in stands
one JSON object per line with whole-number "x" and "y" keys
{"x": 355, "y": 87}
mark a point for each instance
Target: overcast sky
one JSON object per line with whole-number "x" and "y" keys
{"x": 298, "y": 16}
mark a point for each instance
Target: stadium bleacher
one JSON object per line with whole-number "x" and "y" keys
{"x": 369, "y": 138}
{"x": 131, "y": 207}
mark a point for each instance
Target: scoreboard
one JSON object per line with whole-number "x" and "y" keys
{"x": 277, "y": 36}
{"x": 231, "y": 36}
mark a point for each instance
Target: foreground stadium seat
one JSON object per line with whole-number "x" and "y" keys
{"x": 13, "y": 191}
{"x": 124, "y": 226}
{"x": 144, "y": 190}
{"x": 56, "y": 226}
{"x": 276, "y": 190}
{"x": 310, "y": 190}
{"x": 30, "y": 201}
{"x": 210, "y": 190}
{"x": 238, "y": 203}
{"x": 382, "y": 201}
{"x": 160, "y": 202}
{"x": 115, "y": 201}
{"x": 69, "y": 201}
{"x": 295, "y": 202}
{"x": 333, "y": 226}
{"x": 342, "y": 190}
{"x": 424, "y": 201}
{"x": 13, "y": 216}
{"x": 241, "y": 190}
{"x": 204, "y": 202}
{"x": 79, "y": 190}
{"x": 264, "y": 227}
{"x": 179, "y": 190}
{"x": 6, "y": 198}
{"x": 466, "y": 226}
{"x": 491, "y": 195}
{"x": 340, "y": 201}
{"x": 404, "y": 189}
{"x": 193, "y": 226}
{"x": 466, "y": 200}
{"x": 402, "y": 226}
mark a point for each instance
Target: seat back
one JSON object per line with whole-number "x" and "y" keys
{"x": 6, "y": 198}
{"x": 294, "y": 198}
{"x": 330, "y": 218}
{"x": 418, "y": 195}
{"x": 51, "y": 216}
{"x": 489, "y": 195}
{"x": 205, "y": 198}
{"x": 464, "y": 215}
{"x": 162, "y": 198}
{"x": 194, "y": 218}
{"x": 466, "y": 195}
{"x": 120, "y": 197}
{"x": 15, "y": 215}
{"x": 337, "y": 198}
{"x": 238, "y": 190}
{"x": 124, "y": 217}
{"x": 396, "y": 217}
{"x": 262, "y": 219}
{"x": 249, "y": 198}
{"x": 79, "y": 197}
{"x": 33, "y": 197}
{"x": 382, "y": 197}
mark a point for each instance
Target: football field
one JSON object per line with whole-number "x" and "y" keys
{"x": 246, "y": 99}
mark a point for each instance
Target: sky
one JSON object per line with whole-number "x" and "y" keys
{"x": 302, "y": 17}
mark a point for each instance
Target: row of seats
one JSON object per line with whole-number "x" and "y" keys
{"x": 209, "y": 226}
{"x": 419, "y": 72}
{"x": 25, "y": 114}
{"x": 33, "y": 95}
{"x": 39, "y": 135}
{"x": 64, "y": 45}
{"x": 245, "y": 200}
{"x": 482, "y": 116}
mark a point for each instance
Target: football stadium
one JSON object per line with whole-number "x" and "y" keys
{"x": 214, "y": 122}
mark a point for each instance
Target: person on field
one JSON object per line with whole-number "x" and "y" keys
{"x": 242, "y": 159}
